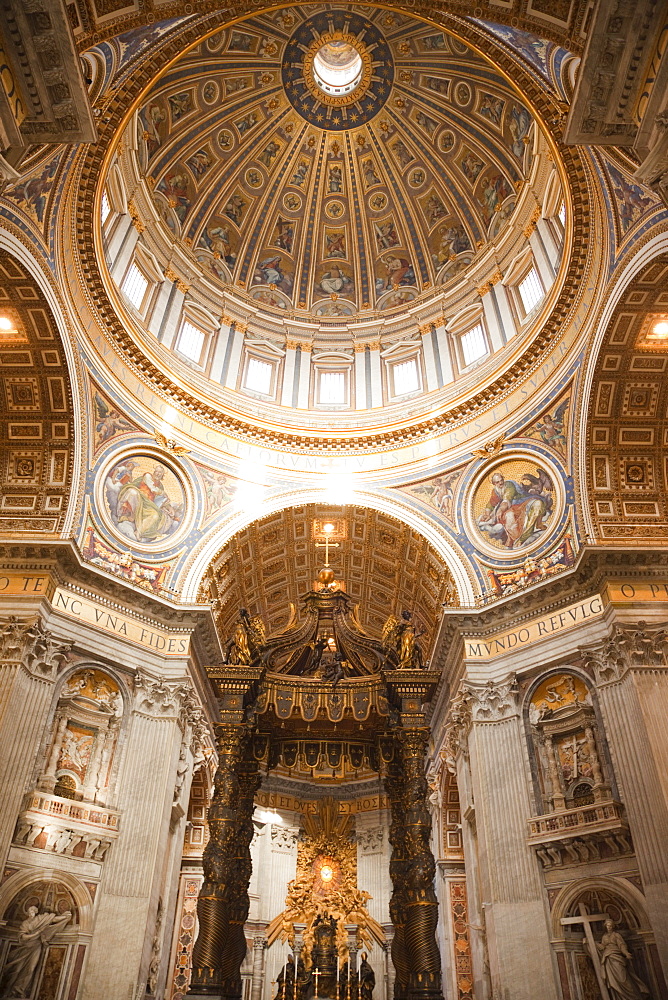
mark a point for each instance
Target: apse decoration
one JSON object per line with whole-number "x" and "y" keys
{"x": 513, "y": 506}
{"x": 144, "y": 499}
{"x": 350, "y": 117}
{"x": 325, "y": 897}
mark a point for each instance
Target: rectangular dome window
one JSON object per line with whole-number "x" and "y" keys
{"x": 258, "y": 376}
{"x": 134, "y": 286}
{"x": 332, "y": 389}
{"x": 405, "y": 377}
{"x": 105, "y": 208}
{"x": 190, "y": 341}
{"x": 474, "y": 345}
{"x": 531, "y": 290}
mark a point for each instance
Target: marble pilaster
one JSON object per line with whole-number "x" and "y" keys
{"x": 509, "y": 877}
{"x": 134, "y": 870}
{"x": 29, "y": 659}
{"x": 631, "y": 671}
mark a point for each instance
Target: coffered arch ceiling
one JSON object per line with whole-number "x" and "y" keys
{"x": 627, "y": 425}
{"x": 36, "y": 409}
{"x": 384, "y": 564}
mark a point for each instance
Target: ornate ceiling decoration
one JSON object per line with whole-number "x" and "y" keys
{"x": 627, "y": 429}
{"x": 36, "y": 458}
{"x": 383, "y": 564}
{"x": 308, "y": 196}
{"x": 562, "y": 21}
{"x": 86, "y": 180}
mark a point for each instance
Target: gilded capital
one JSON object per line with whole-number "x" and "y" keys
{"x": 136, "y": 218}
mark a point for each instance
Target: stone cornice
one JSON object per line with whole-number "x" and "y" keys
{"x": 594, "y": 567}
{"x": 61, "y": 561}
{"x": 569, "y": 35}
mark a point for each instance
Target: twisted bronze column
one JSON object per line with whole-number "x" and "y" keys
{"x": 239, "y": 876}
{"x": 223, "y": 903}
{"x": 413, "y": 870}
{"x": 394, "y": 786}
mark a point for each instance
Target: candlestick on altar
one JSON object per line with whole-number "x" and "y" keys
{"x": 316, "y": 976}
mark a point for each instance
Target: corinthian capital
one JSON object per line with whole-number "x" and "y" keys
{"x": 26, "y": 641}
{"x": 156, "y": 697}
{"x": 629, "y": 647}
{"x": 493, "y": 701}
{"x": 457, "y": 726}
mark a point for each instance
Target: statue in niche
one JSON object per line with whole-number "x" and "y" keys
{"x": 617, "y": 967}
{"x": 35, "y": 933}
{"x": 367, "y": 978}
{"x": 182, "y": 769}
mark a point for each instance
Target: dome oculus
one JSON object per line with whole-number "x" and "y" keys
{"x": 337, "y": 67}
{"x": 338, "y": 70}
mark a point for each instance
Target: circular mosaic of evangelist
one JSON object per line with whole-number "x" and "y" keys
{"x": 144, "y": 500}
{"x": 337, "y": 70}
{"x": 514, "y": 505}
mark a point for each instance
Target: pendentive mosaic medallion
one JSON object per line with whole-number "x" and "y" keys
{"x": 514, "y": 506}
{"x": 144, "y": 499}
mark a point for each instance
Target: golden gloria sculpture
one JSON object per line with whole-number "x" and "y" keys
{"x": 325, "y": 888}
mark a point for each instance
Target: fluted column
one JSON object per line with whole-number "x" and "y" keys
{"x": 134, "y": 869}
{"x": 259, "y": 954}
{"x": 29, "y": 659}
{"x": 631, "y": 672}
{"x": 510, "y": 880}
{"x": 52, "y": 763}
